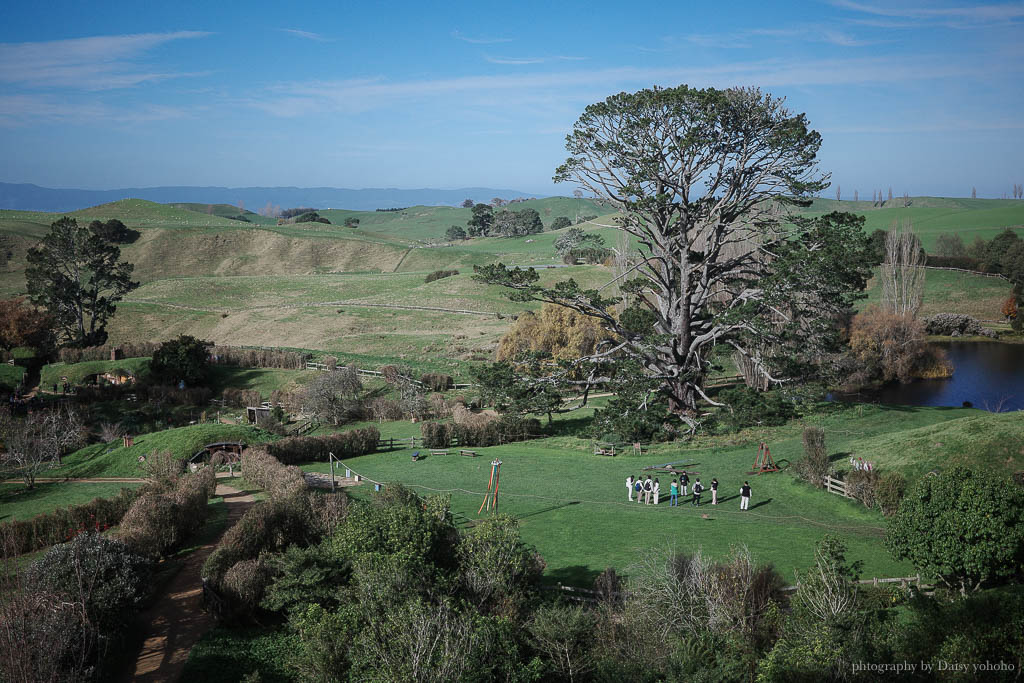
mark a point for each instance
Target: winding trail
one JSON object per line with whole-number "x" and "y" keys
{"x": 177, "y": 621}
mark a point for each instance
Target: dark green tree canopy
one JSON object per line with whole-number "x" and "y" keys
{"x": 963, "y": 526}
{"x": 114, "y": 231}
{"x": 702, "y": 179}
{"x": 560, "y": 222}
{"x": 78, "y": 277}
{"x": 183, "y": 359}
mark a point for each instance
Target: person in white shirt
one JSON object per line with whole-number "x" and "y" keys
{"x": 657, "y": 491}
{"x": 629, "y": 487}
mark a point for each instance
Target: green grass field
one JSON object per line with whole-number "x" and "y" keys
{"x": 18, "y": 502}
{"x": 573, "y": 508}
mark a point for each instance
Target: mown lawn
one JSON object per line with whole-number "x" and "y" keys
{"x": 573, "y": 508}
{"x": 18, "y": 502}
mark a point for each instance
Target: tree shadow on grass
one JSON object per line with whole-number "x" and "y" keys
{"x": 548, "y": 509}
{"x": 12, "y": 494}
{"x": 836, "y": 457}
{"x": 574, "y": 575}
{"x": 572, "y": 426}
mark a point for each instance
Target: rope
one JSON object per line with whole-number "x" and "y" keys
{"x": 776, "y": 518}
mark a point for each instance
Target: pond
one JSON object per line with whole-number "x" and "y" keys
{"x": 990, "y": 375}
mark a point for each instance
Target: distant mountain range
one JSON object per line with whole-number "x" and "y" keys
{"x": 27, "y": 197}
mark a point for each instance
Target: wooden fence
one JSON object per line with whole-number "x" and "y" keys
{"x": 836, "y": 486}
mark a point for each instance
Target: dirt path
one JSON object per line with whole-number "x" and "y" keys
{"x": 177, "y": 621}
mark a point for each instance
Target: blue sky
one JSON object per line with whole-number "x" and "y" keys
{"x": 923, "y": 97}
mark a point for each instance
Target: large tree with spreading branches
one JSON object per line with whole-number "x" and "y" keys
{"x": 702, "y": 180}
{"x": 78, "y": 277}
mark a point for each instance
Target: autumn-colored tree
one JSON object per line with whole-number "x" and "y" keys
{"x": 1009, "y": 309}
{"x": 892, "y": 347}
{"x": 22, "y": 324}
{"x": 559, "y": 332}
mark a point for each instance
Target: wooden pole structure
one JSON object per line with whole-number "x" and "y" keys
{"x": 487, "y": 495}
{"x": 497, "y": 477}
{"x": 491, "y": 497}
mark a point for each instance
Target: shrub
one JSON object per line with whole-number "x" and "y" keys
{"x": 749, "y": 407}
{"x": 245, "y": 583}
{"x": 956, "y": 325}
{"x": 241, "y": 398}
{"x": 436, "y": 381}
{"x": 298, "y": 449}
{"x": 267, "y": 472}
{"x": 814, "y": 466}
{"x": 892, "y": 347}
{"x": 163, "y": 468}
{"x": 384, "y": 409}
{"x": 440, "y": 274}
{"x": 436, "y": 434}
{"x": 109, "y": 579}
{"x": 889, "y": 492}
{"x": 860, "y": 484}
{"x": 158, "y": 523}
{"x": 46, "y": 637}
{"x": 258, "y": 358}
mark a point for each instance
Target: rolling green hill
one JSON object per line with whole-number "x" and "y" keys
{"x": 260, "y": 283}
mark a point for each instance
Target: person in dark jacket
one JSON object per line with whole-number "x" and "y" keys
{"x": 698, "y": 489}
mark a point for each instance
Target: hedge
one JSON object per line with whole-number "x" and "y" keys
{"x": 63, "y": 524}
{"x": 296, "y": 449}
{"x": 158, "y": 523}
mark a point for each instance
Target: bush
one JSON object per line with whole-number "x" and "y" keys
{"x": 299, "y": 449}
{"x": 63, "y": 524}
{"x": 440, "y": 274}
{"x": 814, "y": 466}
{"x": 267, "y": 472}
{"x": 956, "y": 325}
{"x": 891, "y": 347}
{"x": 127, "y": 350}
{"x": 889, "y": 492}
{"x": 245, "y": 584}
{"x": 109, "y": 579}
{"x": 158, "y": 523}
{"x": 258, "y": 358}
{"x": 436, "y": 381}
{"x": 437, "y": 434}
{"x": 860, "y": 484}
{"x": 748, "y": 407}
{"x": 241, "y": 398}
{"x": 46, "y": 637}
{"x": 559, "y": 223}
{"x": 384, "y": 409}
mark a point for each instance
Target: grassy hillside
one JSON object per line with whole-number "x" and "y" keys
{"x": 348, "y": 290}
{"x": 114, "y": 460}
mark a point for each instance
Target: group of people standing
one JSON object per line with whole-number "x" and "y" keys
{"x": 649, "y": 490}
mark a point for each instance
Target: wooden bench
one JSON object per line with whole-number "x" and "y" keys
{"x": 471, "y": 454}
{"x": 438, "y": 452}
{"x": 605, "y": 451}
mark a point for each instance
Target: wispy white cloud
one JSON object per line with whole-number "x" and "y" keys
{"x": 963, "y": 16}
{"x": 308, "y": 35}
{"x": 353, "y": 96}
{"x": 479, "y": 40}
{"x": 21, "y": 109}
{"x": 94, "y": 63}
{"x": 747, "y": 38}
{"x": 531, "y": 60}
